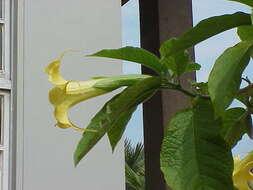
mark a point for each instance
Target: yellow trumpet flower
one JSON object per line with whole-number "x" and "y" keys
{"x": 66, "y": 94}
{"x": 243, "y": 172}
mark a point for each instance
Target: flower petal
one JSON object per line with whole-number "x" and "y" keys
{"x": 53, "y": 71}
{"x": 242, "y": 174}
{"x": 63, "y": 102}
{"x": 66, "y": 94}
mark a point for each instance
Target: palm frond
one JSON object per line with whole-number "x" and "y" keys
{"x": 134, "y": 166}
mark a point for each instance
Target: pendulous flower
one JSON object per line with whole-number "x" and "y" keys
{"x": 243, "y": 172}
{"x": 67, "y": 94}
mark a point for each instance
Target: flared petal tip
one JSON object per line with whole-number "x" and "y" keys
{"x": 65, "y": 126}
{"x": 54, "y": 75}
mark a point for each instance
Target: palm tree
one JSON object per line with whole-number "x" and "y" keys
{"x": 134, "y": 166}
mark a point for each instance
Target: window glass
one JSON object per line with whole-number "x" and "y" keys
{"x": 1, "y": 46}
{"x": 1, "y": 121}
{"x": 1, "y": 8}
{"x": 5, "y": 90}
{"x": 1, "y": 170}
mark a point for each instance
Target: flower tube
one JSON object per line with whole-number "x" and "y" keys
{"x": 67, "y": 94}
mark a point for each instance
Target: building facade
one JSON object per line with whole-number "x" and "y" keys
{"x": 33, "y": 153}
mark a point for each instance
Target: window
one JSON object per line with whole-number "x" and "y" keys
{"x": 4, "y": 146}
{"x": 5, "y": 42}
{"x": 5, "y": 92}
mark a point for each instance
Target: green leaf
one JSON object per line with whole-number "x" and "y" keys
{"x": 192, "y": 67}
{"x": 194, "y": 156}
{"x": 225, "y": 78}
{"x": 245, "y": 33}
{"x": 178, "y": 63}
{"x": 234, "y": 126}
{"x": 133, "y": 54}
{"x": 118, "y": 129}
{"x": 246, "y": 2}
{"x": 133, "y": 180}
{"x": 134, "y": 166}
{"x": 252, "y": 17}
{"x": 113, "y": 112}
{"x": 201, "y": 87}
{"x": 206, "y": 29}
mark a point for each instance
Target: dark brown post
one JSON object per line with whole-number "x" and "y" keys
{"x": 161, "y": 20}
{"x": 123, "y": 2}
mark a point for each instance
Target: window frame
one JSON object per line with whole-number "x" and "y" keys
{"x": 6, "y": 21}
{"x": 6, "y": 94}
{"x": 6, "y": 138}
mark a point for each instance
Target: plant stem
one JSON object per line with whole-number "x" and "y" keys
{"x": 178, "y": 87}
{"x": 247, "y": 90}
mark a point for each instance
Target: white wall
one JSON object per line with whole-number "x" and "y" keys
{"x": 45, "y": 29}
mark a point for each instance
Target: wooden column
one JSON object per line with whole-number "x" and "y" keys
{"x": 161, "y": 20}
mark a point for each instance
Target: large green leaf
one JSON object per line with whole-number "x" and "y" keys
{"x": 133, "y": 54}
{"x": 206, "y": 29}
{"x": 252, "y": 17}
{"x": 116, "y": 132}
{"x": 225, "y": 78}
{"x": 117, "y": 109}
{"x": 245, "y": 32}
{"x": 246, "y": 2}
{"x": 194, "y": 156}
{"x": 234, "y": 125}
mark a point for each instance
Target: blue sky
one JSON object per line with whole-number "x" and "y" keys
{"x": 206, "y": 52}
{"x": 131, "y": 37}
